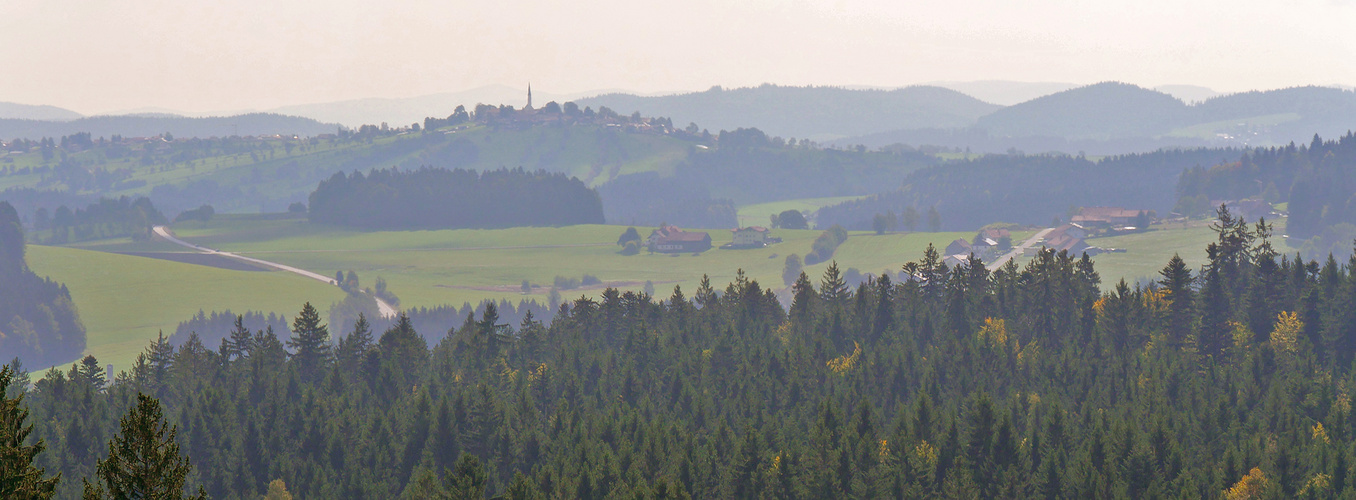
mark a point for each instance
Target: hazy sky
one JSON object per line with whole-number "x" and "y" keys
{"x": 104, "y": 55}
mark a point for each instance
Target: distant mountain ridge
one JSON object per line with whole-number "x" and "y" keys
{"x": 153, "y": 125}
{"x": 1101, "y": 111}
{"x": 1118, "y": 118}
{"x": 16, "y": 111}
{"x": 818, "y": 113}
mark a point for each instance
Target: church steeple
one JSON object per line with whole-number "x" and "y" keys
{"x": 529, "y": 96}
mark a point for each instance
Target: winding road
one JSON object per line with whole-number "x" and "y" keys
{"x": 385, "y": 309}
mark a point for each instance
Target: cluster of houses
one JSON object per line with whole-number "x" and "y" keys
{"x": 988, "y": 244}
{"x": 1071, "y": 237}
{"x": 672, "y": 239}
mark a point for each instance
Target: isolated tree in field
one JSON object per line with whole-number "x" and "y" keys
{"x": 629, "y": 235}
{"x": 910, "y": 219}
{"x": 19, "y": 479}
{"x": 792, "y": 219}
{"x": 880, "y": 224}
{"x": 311, "y": 340}
{"x": 143, "y": 459}
{"x": 934, "y": 220}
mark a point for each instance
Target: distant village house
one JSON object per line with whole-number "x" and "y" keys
{"x": 751, "y": 237}
{"x": 1111, "y": 217}
{"x": 671, "y": 239}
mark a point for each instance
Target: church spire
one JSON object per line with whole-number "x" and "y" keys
{"x": 529, "y": 95}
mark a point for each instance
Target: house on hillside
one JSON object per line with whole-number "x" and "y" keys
{"x": 1250, "y": 210}
{"x": 955, "y": 260}
{"x": 1107, "y": 217}
{"x": 995, "y": 234}
{"x": 751, "y": 237}
{"x": 1068, "y": 238}
{"x": 959, "y": 247}
{"x": 671, "y": 239}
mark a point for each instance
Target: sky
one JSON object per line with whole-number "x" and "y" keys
{"x": 98, "y": 56}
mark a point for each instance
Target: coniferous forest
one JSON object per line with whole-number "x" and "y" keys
{"x": 434, "y": 198}
{"x": 1230, "y": 381}
{"x": 38, "y": 321}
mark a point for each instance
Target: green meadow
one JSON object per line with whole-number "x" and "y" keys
{"x": 125, "y": 301}
{"x": 430, "y": 268}
{"x": 1147, "y": 252}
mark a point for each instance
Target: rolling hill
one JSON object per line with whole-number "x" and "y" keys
{"x": 255, "y": 124}
{"x": 16, "y": 111}
{"x": 1102, "y": 111}
{"x": 1117, "y": 118}
{"x": 817, "y": 113}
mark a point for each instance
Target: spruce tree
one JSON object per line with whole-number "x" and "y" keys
{"x": 143, "y": 459}
{"x": 311, "y": 340}
{"x": 237, "y": 344}
{"x": 19, "y": 479}
{"x": 1177, "y": 281}
{"x": 832, "y": 288}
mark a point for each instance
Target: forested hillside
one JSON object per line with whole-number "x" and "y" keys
{"x": 817, "y": 113}
{"x": 38, "y": 321}
{"x": 1024, "y": 382}
{"x": 1318, "y": 181}
{"x": 431, "y": 198}
{"x": 1030, "y": 189}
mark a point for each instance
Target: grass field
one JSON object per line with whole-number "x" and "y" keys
{"x": 760, "y": 214}
{"x": 124, "y": 301}
{"x": 430, "y": 268}
{"x": 1148, "y": 252}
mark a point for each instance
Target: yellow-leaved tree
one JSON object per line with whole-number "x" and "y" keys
{"x": 277, "y": 490}
{"x": 1285, "y": 336}
{"x": 994, "y": 332}
{"x": 1250, "y": 487}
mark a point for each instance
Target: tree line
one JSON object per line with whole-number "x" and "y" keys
{"x": 1317, "y": 181}
{"x": 106, "y": 218}
{"x": 1027, "y": 189}
{"x": 434, "y": 198}
{"x": 38, "y": 321}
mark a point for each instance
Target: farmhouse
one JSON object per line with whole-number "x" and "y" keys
{"x": 1067, "y": 238}
{"x": 995, "y": 234}
{"x": 1106, "y": 217}
{"x": 959, "y": 247}
{"x": 751, "y": 237}
{"x": 671, "y": 239}
{"x": 1249, "y": 210}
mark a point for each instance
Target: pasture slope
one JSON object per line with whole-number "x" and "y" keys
{"x": 125, "y": 301}
{"x": 430, "y": 268}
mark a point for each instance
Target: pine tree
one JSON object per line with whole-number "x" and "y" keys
{"x": 832, "y": 288}
{"x": 803, "y": 298}
{"x": 468, "y": 479}
{"x": 237, "y": 344}
{"x": 143, "y": 459}
{"x": 19, "y": 479}
{"x": 311, "y": 340}
{"x": 1177, "y": 280}
{"x": 1213, "y": 335}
